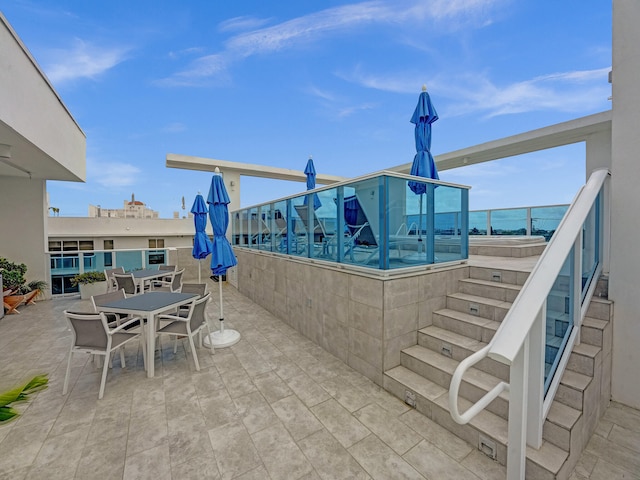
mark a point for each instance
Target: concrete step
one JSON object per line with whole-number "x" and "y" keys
{"x": 479, "y": 306}
{"x": 505, "y": 292}
{"x": 516, "y": 251}
{"x": 472, "y": 326}
{"x": 498, "y": 275}
{"x": 486, "y": 430}
{"x": 459, "y": 347}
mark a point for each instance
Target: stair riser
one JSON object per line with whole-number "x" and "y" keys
{"x": 468, "y": 391}
{"x": 471, "y": 433}
{"x": 477, "y": 332}
{"x": 442, "y": 417}
{"x": 459, "y": 353}
{"x": 506, "y": 276}
{"x": 496, "y": 292}
{"x": 490, "y": 312}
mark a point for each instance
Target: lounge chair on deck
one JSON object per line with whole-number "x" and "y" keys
{"x": 320, "y": 236}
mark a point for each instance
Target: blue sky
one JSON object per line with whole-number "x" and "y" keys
{"x": 273, "y": 82}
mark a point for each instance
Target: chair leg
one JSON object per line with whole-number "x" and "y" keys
{"x": 175, "y": 344}
{"x": 66, "y": 377}
{"x": 122, "y": 357}
{"x": 194, "y": 353}
{"x": 105, "y": 368}
{"x": 210, "y": 339}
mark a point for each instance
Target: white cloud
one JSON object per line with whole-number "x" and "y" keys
{"x": 241, "y": 23}
{"x": 571, "y": 92}
{"x": 83, "y": 60}
{"x": 112, "y": 174}
{"x": 309, "y": 28}
{"x": 348, "y": 111}
{"x": 199, "y": 73}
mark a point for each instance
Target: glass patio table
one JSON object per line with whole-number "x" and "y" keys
{"x": 148, "y": 306}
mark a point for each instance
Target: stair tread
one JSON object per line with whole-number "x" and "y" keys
{"x": 575, "y": 380}
{"x": 482, "y": 300}
{"x": 549, "y": 456}
{"x": 594, "y": 323}
{"x": 563, "y": 415}
{"x": 417, "y": 383}
{"x": 489, "y": 283}
{"x": 473, "y": 376}
{"x": 586, "y": 350}
{"x": 453, "y": 338}
{"x": 467, "y": 317}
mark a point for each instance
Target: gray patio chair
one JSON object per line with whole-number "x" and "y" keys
{"x": 92, "y": 335}
{"x": 197, "y": 288}
{"x": 127, "y": 283}
{"x": 174, "y": 285}
{"x": 167, "y": 268}
{"x": 108, "y": 273}
{"x": 188, "y": 326}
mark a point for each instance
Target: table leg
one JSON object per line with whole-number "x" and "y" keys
{"x": 151, "y": 345}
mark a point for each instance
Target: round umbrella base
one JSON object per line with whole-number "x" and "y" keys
{"x": 222, "y": 339}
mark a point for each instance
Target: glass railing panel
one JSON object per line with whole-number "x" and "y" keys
{"x": 478, "y": 222}
{"x": 375, "y": 222}
{"x": 559, "y": 318}
{"x": 590, "y": 248}
{"x": 511, "y": 221}
{"x": 326, "y": 223}
{"x": 450, "y": 239}
{"x": 545, "y": 220}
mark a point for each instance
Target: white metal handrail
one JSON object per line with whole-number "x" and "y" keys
{"x": 513, "y": 330}
{"x": 519, "y": 341}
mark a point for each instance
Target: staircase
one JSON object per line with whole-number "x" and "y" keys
{"x": 469, "y": 320}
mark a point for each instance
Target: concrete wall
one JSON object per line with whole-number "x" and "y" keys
{"x": 364, "y": 320}
{"x": 625, "y": 228}
{"x": 23, "y": 229}
{"x": 32, "y": 109}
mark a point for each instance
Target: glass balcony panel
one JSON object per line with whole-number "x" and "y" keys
{"x": 559, "y": 319}
{"x": 590, "y": 249}
{"x": 545, "y": 220}
{"x": 478, "y": 222}
{"x": 512, "y": 221}
{"x": 449, "y": 236}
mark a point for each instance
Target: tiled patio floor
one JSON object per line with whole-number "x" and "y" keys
{"x": 274, "y": 406}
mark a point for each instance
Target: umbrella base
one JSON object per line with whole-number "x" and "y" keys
{"x": 222, "y": 339}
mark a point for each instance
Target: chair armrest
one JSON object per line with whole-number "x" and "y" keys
{"x": 172, "y": 317}
{"x": 123, "y": 325}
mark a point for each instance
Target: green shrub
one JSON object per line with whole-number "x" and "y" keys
{"x": 19, "y": 394}
{"x": 87, "y": 278}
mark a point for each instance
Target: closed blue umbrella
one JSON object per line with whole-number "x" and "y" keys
{"x": 202, "y": 246}
{"x": 222, "y": 257}
{"x": 423, "y": 164}
{"x": 310, "y": 172}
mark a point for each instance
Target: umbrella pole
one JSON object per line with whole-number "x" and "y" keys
{"x": 221, "y": 308}
{"x": 199, "y": 277}
{"x": 223, "y": 337}
{"x": 420, "y": 227}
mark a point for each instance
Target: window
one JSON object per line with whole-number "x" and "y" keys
{"x": 108, "y": 244}
{"x": 86, "y": 245}
{"x": 156, "y": 243}
{"x": 55, "y": 246}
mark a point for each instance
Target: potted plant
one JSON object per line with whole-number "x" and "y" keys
{"x": 15, "y": 286}
{"x": 90, "y": 283}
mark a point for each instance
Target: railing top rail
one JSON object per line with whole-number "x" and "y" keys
{"x": 346, "y": 183}
{"x": 513, "y": 330}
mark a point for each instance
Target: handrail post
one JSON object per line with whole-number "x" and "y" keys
{"x": 535, "y": 415}
{"x": 518, "y": 378}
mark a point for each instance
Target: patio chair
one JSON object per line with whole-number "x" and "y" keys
{"x": 126, "y": 282}
{"x": 172, "y": 285}
{"x": 167, "y": 268}
{"x": 197, "y": 288}
{"x": 92, "y": 335}
{"x": 108, "y": 273}
{"x": 117, "y": 319}
{"x": 188, "y": 326}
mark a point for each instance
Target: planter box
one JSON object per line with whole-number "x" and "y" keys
{"x": 87, "y": 290}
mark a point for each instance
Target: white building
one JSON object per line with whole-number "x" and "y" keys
{"x": 131, "y": 209}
